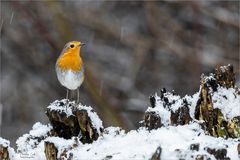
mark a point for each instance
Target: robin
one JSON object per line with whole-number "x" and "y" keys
{"x": 69, "y": 67}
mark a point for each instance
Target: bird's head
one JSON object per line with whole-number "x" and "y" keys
{"x": 73, "y": 47}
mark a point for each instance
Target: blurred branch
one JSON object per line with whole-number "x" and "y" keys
{"x": 155, "y": 17}
{"x": 108, "y": 112}
{"x": 214, "y": 11}
{"x": 222, "y": 15}
{"x": 62, "y": 24}
{"x": 37, "y": 22}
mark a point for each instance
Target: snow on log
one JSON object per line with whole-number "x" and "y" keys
{"x": 69, "y": 119}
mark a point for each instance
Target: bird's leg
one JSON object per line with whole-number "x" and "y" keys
{"x": 67, "y": 96}
{"x": 78, "y": 95}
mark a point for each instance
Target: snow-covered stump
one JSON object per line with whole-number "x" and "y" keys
{"x": 70, "y": 125}
{"x": 181, "y": 116}
{"x": 211, "y": 106}
{"x": 178, "y": 116}
{"x": 167, "y": 109}
{"x": 210, "y": 96}
{"x": 69, "y": 119}
{"x": 225, "y": 76}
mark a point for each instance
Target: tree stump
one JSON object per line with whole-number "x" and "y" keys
{"x": 204, "y": 110}
{"x": 225, "y": 76}
{"x": 152, "y": 120}
{"x": 180, "y": 116}
{"x": 213, "y": 118}
{"x": 69, "y": 119}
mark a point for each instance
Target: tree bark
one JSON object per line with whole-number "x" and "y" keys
{"x": 4, "y": 155}
{"x": 50, "y": 151}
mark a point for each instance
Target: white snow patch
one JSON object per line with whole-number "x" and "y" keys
{"x": 39, "y": 129}
{"x": 228, "y": 101}
{"x": 66, "y": 106}
{"x": 4, "y": 142}
{"x": 192, "y": 101}
{"x": 28, "y": 142}
{"x": 112, "y": 132}
{"x": 161, "y": 111}
{"x": 140, "y": 144}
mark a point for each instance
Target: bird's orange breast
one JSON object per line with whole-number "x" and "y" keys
{"x": 70, "y": 61}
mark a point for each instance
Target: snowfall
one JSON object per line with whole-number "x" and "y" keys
{"x": 114, "y": 143}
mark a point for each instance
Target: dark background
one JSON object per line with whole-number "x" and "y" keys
{"x": 133, "y": 50}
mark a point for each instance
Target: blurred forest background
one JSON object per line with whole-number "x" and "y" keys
{"x": 133, "y": 49}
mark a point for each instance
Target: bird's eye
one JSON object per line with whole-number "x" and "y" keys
{"x": 72, "y": 45}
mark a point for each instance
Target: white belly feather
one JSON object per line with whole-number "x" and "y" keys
{"x": 70, "y": 79}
